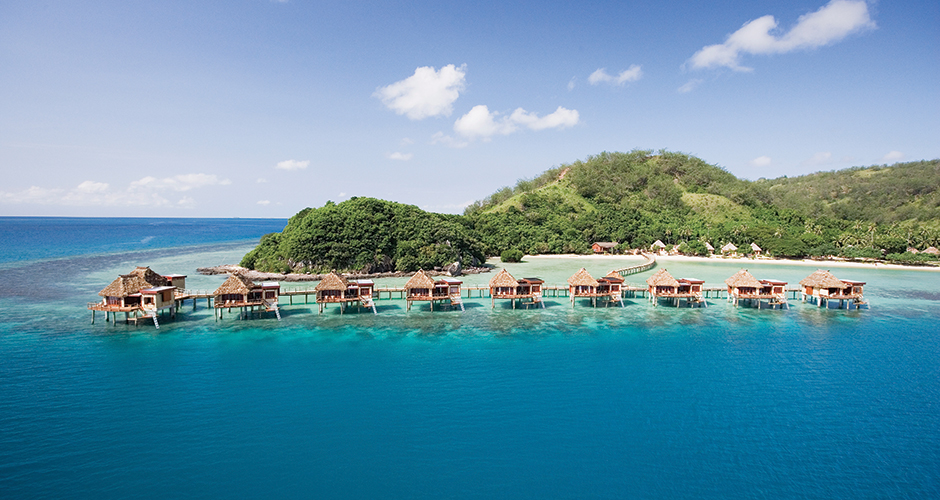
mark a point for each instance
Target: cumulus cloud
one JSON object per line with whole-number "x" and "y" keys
{"x": 893, "y": 157}
{"x": 449, "y": 141}
{"x": 427, "y": 93}
{"x": 631, "y": 74}
{"x": 690, "y": 85}
{"x": 292, "y": 165}
{"x": 148, "y": 191}
{"x": 828, "y": 25}
{"x": 760, "y": 161}
{"x": 400, "y": 156}
{"x": 820, "y": 158}
{"x": 482, "y": 123}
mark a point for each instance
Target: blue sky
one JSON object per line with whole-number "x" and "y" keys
{"x": 259, "y": 108}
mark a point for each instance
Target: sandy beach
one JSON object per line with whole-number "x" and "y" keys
{"x": 744, "y": 261}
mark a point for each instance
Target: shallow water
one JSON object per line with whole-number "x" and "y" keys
{"x": 565, "y": 402}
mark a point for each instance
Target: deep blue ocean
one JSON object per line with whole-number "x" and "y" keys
{"x": 565, "y": 402}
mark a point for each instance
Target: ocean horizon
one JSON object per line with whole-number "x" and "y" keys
{"x": 562, "y": 402}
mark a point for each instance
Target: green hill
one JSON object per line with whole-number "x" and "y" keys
{"x": 634, "y": 198}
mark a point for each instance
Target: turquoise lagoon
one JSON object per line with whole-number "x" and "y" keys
{"x": 561, "y": 402}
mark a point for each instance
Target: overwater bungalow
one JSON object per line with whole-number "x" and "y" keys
{"x": 744, "y": 286}
{"x": 335, "y": 289}
{"x": 604, "y": 246}
{"x": 583, "y": 285}
{"x": 141, "y": 293}
{"x": 662, "y": 284}
{"x": 822, "y": 286}
{"x": 239, "y": 292}
{"x": 505, "y": 286}
{"x": 177, "y": 280}
{"x": 422, "y": 287}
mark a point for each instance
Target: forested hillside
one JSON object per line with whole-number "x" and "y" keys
{"x": 633, "y": 198}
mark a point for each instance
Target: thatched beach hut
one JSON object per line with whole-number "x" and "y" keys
{"x": 822, "y": 286}
{"x": 336, "y": 289}
{"x": 504, "y": 286}
{"x": 744, "y": 286}
{"x": 658, "y": 247}
{"x": 756, "y": 250}
{"x": 729, "y": 249}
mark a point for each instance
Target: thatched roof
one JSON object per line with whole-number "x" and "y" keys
{"x": 149, "y": 276}
{"x": 932, "y": 251}
{"x": 503, "y": 279}
{"x": 658, "y": 244}
{"x": 662, "y": 278}
{"x": 419, "y": 280}
{"x": 582, "y": 278}
{"x": 235, "y": 284}
{"x": 606, "y": 244}
{"x": 821, "y": 279}
{"x": 124, "y": 285}
{"x": 729, "y": 247}
{"x": 332, "y": 281}
{"x": 709, "y": 247}
{"x": 743, "y": 279}
{"x": 755, "y": 247}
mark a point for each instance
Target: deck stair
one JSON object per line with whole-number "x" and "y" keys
{"x": 537, "y": 297}
{"x": 369, "y": 303}
{"x": 455, "y": 300}
{"x": 272, "y": 306}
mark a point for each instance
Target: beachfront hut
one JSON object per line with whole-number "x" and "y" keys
{"x": 604, "y": 246}
{"x": 756, "y": 249}
{"x": 932, "y": 251}
{"x": 822, "y": 286}
{"x": 743, "y": 285}
{"x": 729, "y": 249}
{"x": 662, "y": 284}
{"x": 658, "y": 247}
{"x": 505, "y": 286}
{"x": 241, "y": 293}
{"x": 710, "y": 248}
{"x": 422, "y": 287}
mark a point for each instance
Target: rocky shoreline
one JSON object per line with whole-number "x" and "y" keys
{"x": 296, "y": 277}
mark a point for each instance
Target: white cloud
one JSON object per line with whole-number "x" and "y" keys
{"x": 292, "y": 165}
{"x": 893, "y": 157}
{"x": 571, "y": 84}
{"x": 830, "y": 24}
{"x": 342, "y": 195}
{"x": 760, "y": 161}
{"x": 690, "y": 85}
{"x": 261, "y": 180}
{"x": 821, "y": 158}
{"x": 400, "y": 156}
{"x": 148, "y": 191}
{"x": 632, "y": 74}
{"x": 264, "y": 202}
{"x": 441, "y": 138}
{"x": 482, "y": 123}
{"x": 183, "y": 182}
{"x": 426, "y": 93}
{"x": 406, "y": 142}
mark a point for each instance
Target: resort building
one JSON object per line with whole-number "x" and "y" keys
{"x": 932, "y": 251}
{"x": 822, "y": 286}
{"x": 176, "y": 280}
{"x": 744, "y": 286}
{"x": 756, "y": 250}
{"x": 729, "y": 249}
{"x": 141, "y": 292}
{"x": 583, "y": 285}
{"x": 662, "y": 284}
{"x": 603, "y": 246}
{"x": 335, "y": 289}
{"x": 422, "y": 287}
{"x": 658, "y": 247}
{"x": 710, "y": 248}
{"x": 241, "y": 293}
{"x": 504, "y": 286}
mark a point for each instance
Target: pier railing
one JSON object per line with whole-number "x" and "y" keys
{"x": 638, "y": 268}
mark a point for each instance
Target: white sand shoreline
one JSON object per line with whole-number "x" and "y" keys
{"x": 743, "y": 261}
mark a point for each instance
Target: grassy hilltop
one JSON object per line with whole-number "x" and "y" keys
{"x": 633, "y": 198}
